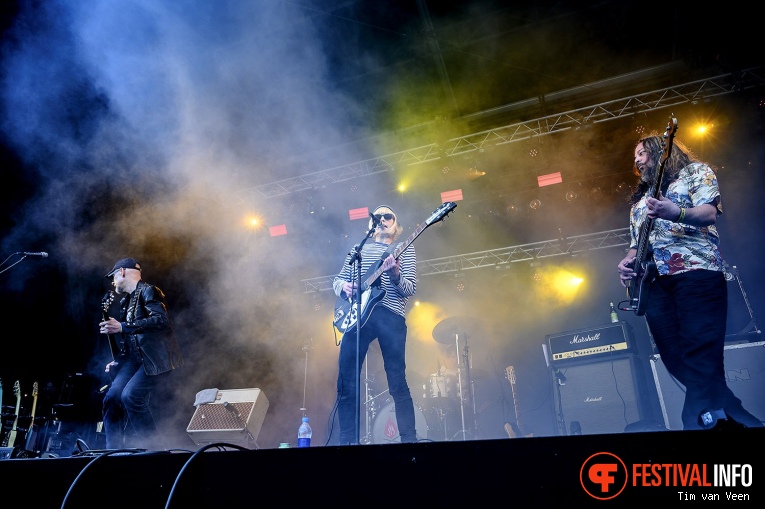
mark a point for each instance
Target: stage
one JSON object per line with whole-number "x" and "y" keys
{"x": 657, "y": 466}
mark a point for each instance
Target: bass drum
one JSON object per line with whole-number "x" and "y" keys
{"x": 385, "y": 426}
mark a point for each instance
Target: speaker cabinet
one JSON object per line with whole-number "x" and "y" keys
{"x": 235, "y": 417}
{"x": 599, "y": 397}
{"x": 744, "y": 371}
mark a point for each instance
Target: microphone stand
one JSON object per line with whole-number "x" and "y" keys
{"x": 356, "y": 258}
{"x": 23, "y": 257}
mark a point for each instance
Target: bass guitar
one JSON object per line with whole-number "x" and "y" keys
{"x": 645, "y": 267}
{"x": 10, "y": 438}
{"x": 346, "y": 313}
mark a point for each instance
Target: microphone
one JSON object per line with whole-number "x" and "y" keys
{"x": 375, "y": 221}
{"x": 41, "y": 254}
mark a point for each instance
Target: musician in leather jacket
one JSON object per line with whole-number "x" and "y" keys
{"x": 149, "y": 353}
{"x": 679, "y": 279}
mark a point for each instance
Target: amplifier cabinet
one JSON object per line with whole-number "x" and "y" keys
{"x": 235, "y": 417}
{"x": 744, "y": 372}
{"x": 602, "y": 396}
{"x": 590, "y": 344}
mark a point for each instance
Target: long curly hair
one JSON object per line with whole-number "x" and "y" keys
{"x": 679, "y": 157}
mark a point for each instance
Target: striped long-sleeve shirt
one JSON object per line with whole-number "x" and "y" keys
{"x": 396, "y": 295}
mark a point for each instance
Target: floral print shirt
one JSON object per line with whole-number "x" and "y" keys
{"x": 680, "y": 247}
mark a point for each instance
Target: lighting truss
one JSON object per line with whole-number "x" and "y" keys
{"x": 691, "y": 92}
{"x": 503, "y": 256}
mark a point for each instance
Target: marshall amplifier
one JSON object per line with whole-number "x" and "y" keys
{"x": 589, "y": 344}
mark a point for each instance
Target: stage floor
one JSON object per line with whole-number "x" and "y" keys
{"x": 666, "y": 466}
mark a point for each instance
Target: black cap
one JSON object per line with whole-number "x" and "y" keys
{"x": 125, "y": 263}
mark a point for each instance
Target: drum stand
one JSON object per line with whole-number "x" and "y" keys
{"x": 464, "y": 364}
{"x": 370, "y": 407}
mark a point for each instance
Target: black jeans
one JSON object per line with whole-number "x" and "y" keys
{"x": 390, "y": 330}
{"x": 128, "y": 420}
{"x": 687, "y": 316}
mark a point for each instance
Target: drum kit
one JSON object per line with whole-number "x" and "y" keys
{"x": 444, "y": 403}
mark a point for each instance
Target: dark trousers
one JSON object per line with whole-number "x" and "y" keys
{"x": 687, "y": 315}
{"x": 390, "y": 330}
{"x": 128, "y": 420}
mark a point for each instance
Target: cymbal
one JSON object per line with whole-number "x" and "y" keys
{"x": 446, "y": 330}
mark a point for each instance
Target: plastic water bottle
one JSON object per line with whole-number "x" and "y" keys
{"x": 304, "y": 434}
{"x": 614, "y": 316}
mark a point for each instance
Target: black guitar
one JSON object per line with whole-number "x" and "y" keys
{"x": 346, "y": 315}
{"x": 645, "y": 267}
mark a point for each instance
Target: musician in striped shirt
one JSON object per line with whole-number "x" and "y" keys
{"x": 385, "y": 322}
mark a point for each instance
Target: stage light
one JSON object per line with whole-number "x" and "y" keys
{"x": 549, "y": 179}
{"x": 535, "y": 204}
{"x": 533, "y": 152}
{"x": 571, "y": 195}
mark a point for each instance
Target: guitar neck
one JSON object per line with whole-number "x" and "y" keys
{"x": 396, "y": 253}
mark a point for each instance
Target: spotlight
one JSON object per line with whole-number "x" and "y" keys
{"x": 595, "y": 192}
{"x": 621, "y": 188}
{"x": 535, "y": 204}
{"x": 513, "y": 209}
{"x": 533, "y": 152}
{"x": 571, "y": 196}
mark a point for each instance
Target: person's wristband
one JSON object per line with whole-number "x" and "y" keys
{"x": 681, "y": 216}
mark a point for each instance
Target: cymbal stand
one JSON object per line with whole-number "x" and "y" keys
{"x": 471, "y": 390}
{"x": 459, "y": 385}
{"x": 369, "y": 410}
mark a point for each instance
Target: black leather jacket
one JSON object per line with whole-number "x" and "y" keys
{"x": 151, "y": 329}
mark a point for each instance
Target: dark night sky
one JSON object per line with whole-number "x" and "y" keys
{"x": 133, "y": 130}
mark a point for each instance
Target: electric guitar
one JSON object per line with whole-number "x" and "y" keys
{"x": 645, "y": 267}
{"x": 32, "y": 429}
{"x": 10, "y": 438}
{"x": 346, "y": 313}
{"x": 513, "y": 429}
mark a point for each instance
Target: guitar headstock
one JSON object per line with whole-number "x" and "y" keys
{"x": 17, "y": 388}
{"x": 671, "y": 128}
{"x": 441, "y": 212}
{"x": 107, "y": 300}
{"x": 34, "y": 389}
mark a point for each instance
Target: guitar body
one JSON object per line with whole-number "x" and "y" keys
{"x": 638, "y": 288}
{"x": 346, "y": 315}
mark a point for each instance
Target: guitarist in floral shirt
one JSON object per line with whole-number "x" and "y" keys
{"x": 684, "y": 292}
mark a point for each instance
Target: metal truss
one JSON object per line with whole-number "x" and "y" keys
{"x": 628, "y": 106}
{"x": 498, "y": 257}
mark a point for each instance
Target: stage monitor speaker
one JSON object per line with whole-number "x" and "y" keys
{"x": 599, "y": 397}
{"x": 235, "y": 417}
{"x": 744, "y": 372}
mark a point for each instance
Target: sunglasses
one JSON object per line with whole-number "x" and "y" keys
{"x": 387, "y": 217}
